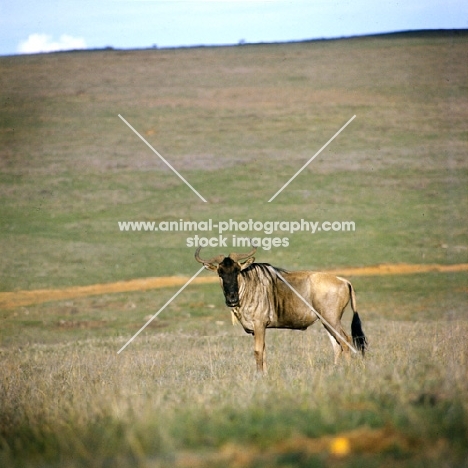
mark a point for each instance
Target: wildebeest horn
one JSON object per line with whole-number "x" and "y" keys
{"x": 241, "y": 256}
{"x": 217, "y": 259}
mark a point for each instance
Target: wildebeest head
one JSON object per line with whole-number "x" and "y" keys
{"x": 228, "y": 269}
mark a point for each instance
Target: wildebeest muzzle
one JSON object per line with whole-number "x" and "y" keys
{"x": 231, "y": 295}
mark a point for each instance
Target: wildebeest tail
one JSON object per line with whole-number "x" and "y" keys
{"x": 359, "y": 339}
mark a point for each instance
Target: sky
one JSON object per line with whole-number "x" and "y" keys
{"x": 31, "y": 26}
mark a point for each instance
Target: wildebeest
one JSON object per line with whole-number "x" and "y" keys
{"x": 262, "y": 296}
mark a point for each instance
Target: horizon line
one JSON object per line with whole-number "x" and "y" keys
{"x": 242, "y": 43}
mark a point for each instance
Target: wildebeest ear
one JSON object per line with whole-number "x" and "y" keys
{"x": 247, "y": 262}
{"x": 210, "y": 266}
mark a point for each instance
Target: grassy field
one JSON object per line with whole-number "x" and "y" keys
{"x": 237, "y": 123}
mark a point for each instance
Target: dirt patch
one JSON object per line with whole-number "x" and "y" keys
{"x": 23, "y": 298}
{"x": 10, "y": 300}
{"x": 399, "y": 269}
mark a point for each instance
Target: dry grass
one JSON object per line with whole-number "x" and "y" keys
{"x": 179, "y": 396}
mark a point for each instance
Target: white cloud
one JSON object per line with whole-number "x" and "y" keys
{"x": 37, "y": 43}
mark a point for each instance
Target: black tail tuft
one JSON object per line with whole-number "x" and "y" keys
{"x": 359, "y": 339}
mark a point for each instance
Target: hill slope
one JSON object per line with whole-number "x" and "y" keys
{"x": 237, "y": 123}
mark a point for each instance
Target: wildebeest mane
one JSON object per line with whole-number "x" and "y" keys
{"x": 262, "y": 268}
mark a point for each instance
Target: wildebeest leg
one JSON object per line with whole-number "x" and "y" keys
{"x": 338, "y": 346}
{"x": 259, "y": 350}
